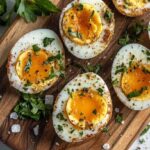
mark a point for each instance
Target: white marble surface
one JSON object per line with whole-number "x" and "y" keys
{"x": 136, "y": 145}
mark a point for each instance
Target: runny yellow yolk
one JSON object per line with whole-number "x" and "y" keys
{"x": 136, "y": 80}
{"x": 86, "y": 109}
{"x": 30, "y": 66}
{"x": 82, "y": 24}
{"x": 135, "y": 3}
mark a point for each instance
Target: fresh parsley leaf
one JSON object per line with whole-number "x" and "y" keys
{"x": 74, "y": 34}
{"x": 3, "y": 7}
{"x": 35, "y": 48}
{"x": 145, "y": 130}
{"x": 60, "y": 128}
{"x": 115, "y": 82}
{"x": 137, "y": 92}
{"x": 108, "y": 16}
{"x": 28, "y": 65}
{"x": 52, "y": 58}
{"x": 124, "y": 40}
{"x": 47, "y": 41}
{"x": 119, "y": 118}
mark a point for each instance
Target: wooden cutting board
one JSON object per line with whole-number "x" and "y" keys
{"x": 120, "y": 137}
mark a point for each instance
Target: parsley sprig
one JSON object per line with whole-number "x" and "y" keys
{"x": 27, "y": 9}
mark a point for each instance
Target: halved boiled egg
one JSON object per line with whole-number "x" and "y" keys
{"x": 36, "y": 61}
{"x": 82, "y": 108}
{"x": 132, "y": 8}
{"x": 131, "y": 76}
{"x": 86, "y": 27}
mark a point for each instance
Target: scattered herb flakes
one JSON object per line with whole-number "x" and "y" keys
{"x": 69, "y": 92}
{"x": 141, "y": 141}
{"x": 28, "y": 64}
{"x": 32, "y": 106}
{"x": 101, "y": 91}
{"x": 53, "y": 58}
{"x": 81, "y": 133}
{"x": 95, "y": 69}
{"x": 115, "y": 82}
{"x": 72, "y": 131}
{"x": 105, "y": 130}
{"x": 60, "y": 116}
{"x": 108, "y": 16}
{"x": 145, "y": 130}
{"x": 52, "y": 74}
{"x": 78, "y": 6}
{"x": 131, "y": 60}
{"x": 47, "y": 41}
{"x": 147, "y": 53}
{"x": 137, "y": 92}
{"x": 35, "y": 48}
{"x": 119, "y": 118}
{"x": 74, "y": 34}
{"x": 27, "y": 84}
{"x": 122, "y": 68}
{"x": 132, "y": 34}
{"x": 60, "y": 128}
{"x": 94, "y": 111}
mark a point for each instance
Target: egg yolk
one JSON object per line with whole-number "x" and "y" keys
{"x": 86, "y": 108}
{"x": 136, "y": 81}
{"x": 31, "y": 66}
{"x": 82, "y": 24}
{"x": 135, "y": 3}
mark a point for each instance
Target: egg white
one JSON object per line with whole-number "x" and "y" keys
{"x": 86, "y": 80}
{"x": 119, "y": 4}
{"x": 90, "y": 50}
{"x": 123, "y": 56}
{"x": 25, "y": 42}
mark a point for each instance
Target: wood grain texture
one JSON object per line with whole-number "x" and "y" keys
{"x": 119, "y": 137}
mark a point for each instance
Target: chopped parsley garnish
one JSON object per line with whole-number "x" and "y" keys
{"x": 132, "y": 34}
{"x": 60, "y": 128}
{"x": 119, "y": 118}
{"x": 137, "y": 92}
{"x": 94, "y": 69}
{"x": 141, "y": 141}
{"x": 145, "y": 130}
{"x": 115, "y": 82}
{"x": 108, "y": 16}
{"x": 78, "y": 6}
{"x": 27, "y": 84}
{"x": 72, "y": 130}
{"x": 28, "y": 65}
{"x": 74, "y": 34}
{"x": 145, "y": 70}
{"x": 101, "y": 91}
{"x": 47, "y": 41}
{"x": 53, "y": 58}
{"x": 81, "y": 133}
{"x": 35, "y": 48}
{"x": 52, "y": 74}
{"x": 105, "y": 130}
{"x": 122, "y": 68}
{"x": 60, "y": 116}
{"x": 32, "y": 106}
{"x": 94, "y": 111}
